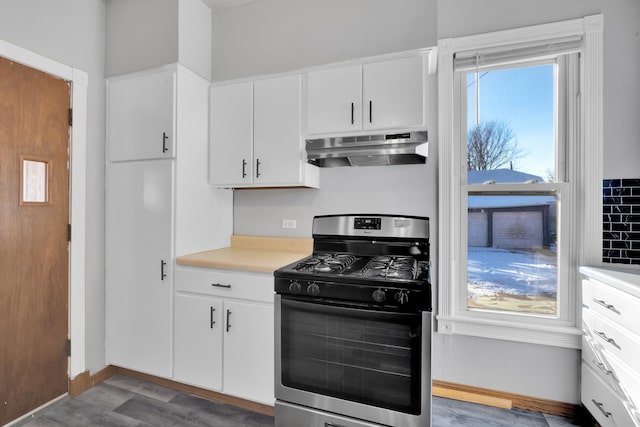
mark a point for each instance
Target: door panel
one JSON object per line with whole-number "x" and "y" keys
{"x": 34, "y": 127}
{"x": 277, "y": 140}
{"x": 231, "y": 134}
{"x": 139, "y": 209}
{"x": 141, "y": 117}
{"x": 334, "y": 100}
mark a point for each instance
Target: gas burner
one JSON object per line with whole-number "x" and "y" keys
{"x": 326, "y": 263}
{"x": 391, "y": 267}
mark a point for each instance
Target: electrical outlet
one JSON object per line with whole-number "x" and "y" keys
{"x": 288, "y": 223}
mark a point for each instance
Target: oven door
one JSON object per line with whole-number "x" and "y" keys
{"x": 358, "y": 362}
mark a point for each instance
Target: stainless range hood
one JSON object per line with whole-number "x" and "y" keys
{"x": 368, "y": 150}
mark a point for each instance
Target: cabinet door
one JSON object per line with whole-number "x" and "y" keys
{"x": 248, "y": 351}
{"x": 334, "y": 100}
{"x": 231, "y": 134}
{"x": 141, "y": 117}
{"x": 197, "y": 354}
{"x": 139, "y": 206}
{"x": 393, "y": 94}
{"x": 277, "y": 138}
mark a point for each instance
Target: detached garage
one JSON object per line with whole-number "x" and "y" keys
{"x": 510, "y": 222}
{"x": 512, "y": 227}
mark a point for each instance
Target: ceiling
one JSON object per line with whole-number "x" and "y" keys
{"x": 219, "y": 4}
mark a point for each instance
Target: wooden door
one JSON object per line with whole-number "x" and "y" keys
{"x": 34, "y": 213}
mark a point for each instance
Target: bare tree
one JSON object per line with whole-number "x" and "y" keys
{"x": 490, "y": 145}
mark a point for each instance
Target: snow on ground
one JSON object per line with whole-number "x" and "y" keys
{"x": 493, "y": 270}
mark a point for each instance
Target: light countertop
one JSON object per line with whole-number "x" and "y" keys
{"x": 252, "y": 253}
{"x": 626, "y": 279}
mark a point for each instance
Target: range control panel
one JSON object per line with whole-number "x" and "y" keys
{"x": 367, "y": 223}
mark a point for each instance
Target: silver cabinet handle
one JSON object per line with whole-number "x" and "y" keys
{"x": 602, "y": 367}
{"x": 221, "y": 285}
{"x": 228, "y": 319}
{"x": 370, "y": 111}
{"x": 609, "y": 307}
{"x": 601, "y": 407}
{"x": 353, "y": 107}
{"x": 258, "y": 168}
{"x": 244, "y": 168}
{"x": 611, "y": 341}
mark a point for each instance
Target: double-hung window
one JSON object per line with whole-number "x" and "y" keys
{"x": 517, "y": 182}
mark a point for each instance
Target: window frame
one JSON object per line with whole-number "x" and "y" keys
{"x": 581, "y": 165}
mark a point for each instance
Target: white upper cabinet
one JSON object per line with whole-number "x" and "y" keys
{"x": 393, "y": 94}
{"x": 373, "y": 96}
{"x": 334, "y": 100}
{"x": 256, "y": 138}
{"x": 277, "y": 133}
{"x": 141, "y": 116}
{"x": 231, "y": 134}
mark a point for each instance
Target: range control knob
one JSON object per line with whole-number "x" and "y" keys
{"x": 313, "y": 289}
{"x": 379, "y": 295}
{"x": 295, "y": 287}
{"x": 401, "y": 297}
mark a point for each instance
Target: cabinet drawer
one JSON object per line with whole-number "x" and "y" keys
{"x": 621, "y": 307}
{"x": 592, "y": 357}
{"x": 628, "y": 379}
{"x": 250, "y": 286}
{"x": 613, "y": 339}
{"x": 603, "y": 403}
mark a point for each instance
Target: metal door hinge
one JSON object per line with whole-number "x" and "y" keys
{"x": 68, "y": 347}
{"x": 68, "y": 232}
{"x": 70, "y": 116}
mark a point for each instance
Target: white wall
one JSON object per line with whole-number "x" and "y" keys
{"x": 264, "y": 37}
{"x": 140, "y": 34}
{"x": 194, "y": 36}
{"x": 72, "y": 32}
{"x": 269, "y": 36}
{"x": 144, "y": 34}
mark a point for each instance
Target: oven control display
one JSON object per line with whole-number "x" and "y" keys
{"x": 367, "y": 223}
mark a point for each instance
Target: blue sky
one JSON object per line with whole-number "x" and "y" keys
{"x": 524, "y": 99}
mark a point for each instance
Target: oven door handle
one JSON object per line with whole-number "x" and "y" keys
{"x": 341, "y": 309}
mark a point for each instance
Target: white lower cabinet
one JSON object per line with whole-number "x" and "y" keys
{"x": 224, "y": 332}
{"x": 248, "y": 351}
{"x": 197, "y": 354}
{"x": 611, "y": 348}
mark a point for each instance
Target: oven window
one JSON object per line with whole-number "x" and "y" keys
{"x": 365, "y": 356}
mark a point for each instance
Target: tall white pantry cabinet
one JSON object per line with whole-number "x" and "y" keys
{"x": 158, "y": 204}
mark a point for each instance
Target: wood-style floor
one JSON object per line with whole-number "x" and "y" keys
{"x": 126, "y": 401}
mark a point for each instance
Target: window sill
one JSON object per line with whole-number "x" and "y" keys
{"x": 556, "y": 336}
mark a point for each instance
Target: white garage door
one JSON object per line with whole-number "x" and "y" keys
{"x": 478, "y": 229}
{"x": 517, "y": 229}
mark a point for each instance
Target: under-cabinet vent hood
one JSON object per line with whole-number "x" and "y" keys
{"x": 368, "y": 150}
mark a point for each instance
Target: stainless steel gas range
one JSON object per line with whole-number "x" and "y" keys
{"x": 353, "y": 326}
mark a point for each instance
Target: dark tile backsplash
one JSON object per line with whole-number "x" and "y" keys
{"x": 621, "y": 221}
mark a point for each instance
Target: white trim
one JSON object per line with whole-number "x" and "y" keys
{"x": 563, "y": 332}
{"x": 79, "y": 80}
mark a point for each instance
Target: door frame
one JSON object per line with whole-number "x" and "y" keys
{"x": 77, "y": 193}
